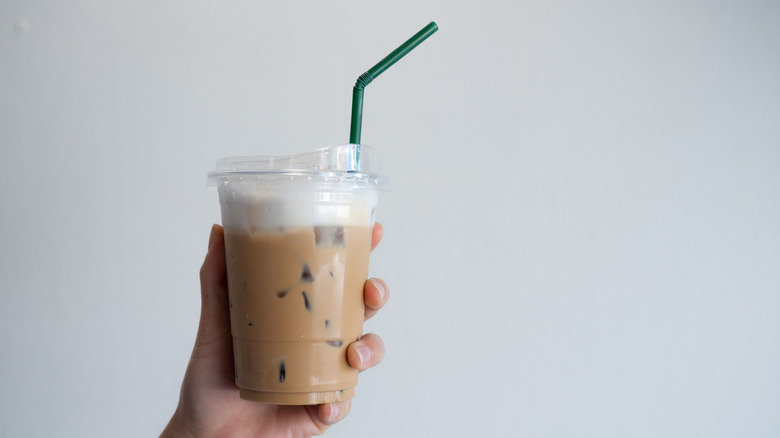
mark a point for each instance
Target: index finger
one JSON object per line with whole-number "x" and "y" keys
{"x": 376, "y": 235}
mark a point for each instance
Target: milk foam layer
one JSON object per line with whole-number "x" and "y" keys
{"x": 336, "y": 186}
{"x": 253, "y": 208}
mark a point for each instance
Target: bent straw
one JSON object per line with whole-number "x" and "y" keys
{"x": 373, "y": 72}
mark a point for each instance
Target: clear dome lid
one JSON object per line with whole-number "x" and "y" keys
{"x": 348, "y": 163}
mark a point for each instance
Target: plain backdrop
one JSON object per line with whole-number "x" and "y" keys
{"x": 582, "y": 236}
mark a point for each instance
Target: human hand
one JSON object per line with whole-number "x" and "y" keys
{"x": 209, "y": 404}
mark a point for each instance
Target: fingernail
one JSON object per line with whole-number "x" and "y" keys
{"x": 364, "y": 353}
{"x": 380, "y": 287}
{"x": 334, "y": 412}
{"x": 211, "y": 236}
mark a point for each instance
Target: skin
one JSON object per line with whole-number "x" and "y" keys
{"x": 209, "y": 405}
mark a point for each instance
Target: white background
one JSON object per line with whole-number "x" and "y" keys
{"x": 582, "y": 237}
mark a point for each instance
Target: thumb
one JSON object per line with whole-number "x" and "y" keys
{"x": 211, "y": 364}
{"x": 214, "y": 328}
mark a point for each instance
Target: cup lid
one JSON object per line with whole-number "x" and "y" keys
{"x": 344, "y": 162}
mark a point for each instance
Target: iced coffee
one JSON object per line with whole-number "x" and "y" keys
{"x": 297, "y": 243}
{"x": 296, "y": 303}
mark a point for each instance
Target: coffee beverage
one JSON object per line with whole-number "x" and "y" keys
{"x": 296, "y": 303}
{"x": 297, "y": 242}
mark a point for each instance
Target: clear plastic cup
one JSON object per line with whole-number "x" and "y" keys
{"x": 297, "y": 241}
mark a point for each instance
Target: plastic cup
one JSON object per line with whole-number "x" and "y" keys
{"x": 297, "y": 241}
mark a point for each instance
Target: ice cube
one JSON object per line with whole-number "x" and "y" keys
{"x": 306, "y": 300}
{"x": 329, "y": 236}
{"x": 306, "y": 276}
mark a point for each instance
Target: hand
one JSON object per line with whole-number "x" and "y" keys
{"x": 209, "y": 404}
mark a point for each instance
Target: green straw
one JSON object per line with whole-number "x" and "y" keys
{"x": 373, "y": 72}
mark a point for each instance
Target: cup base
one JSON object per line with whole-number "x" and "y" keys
{"x": 297, "y": 398}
